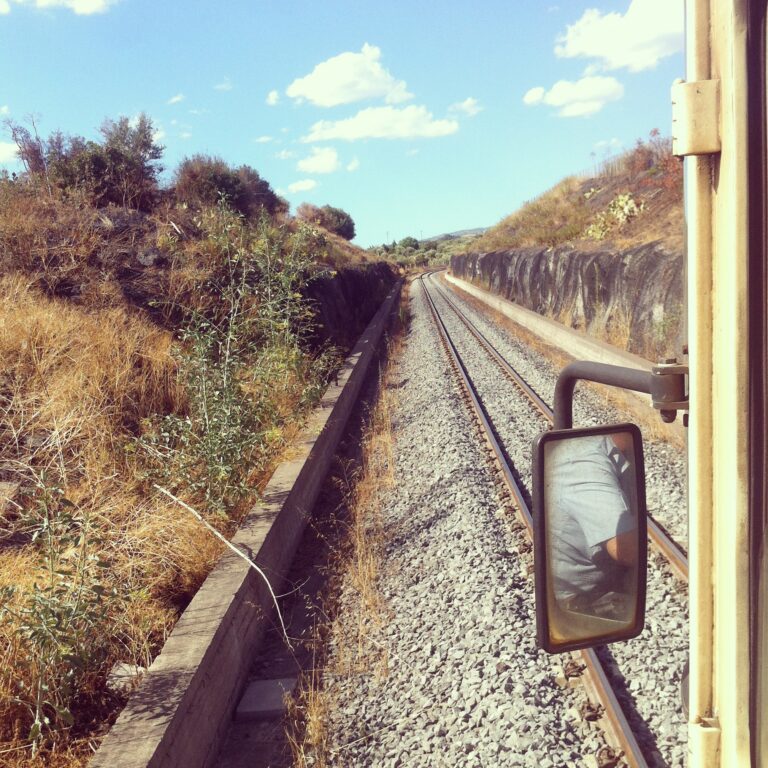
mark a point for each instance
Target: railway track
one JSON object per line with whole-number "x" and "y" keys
{"x": 670, "y": 550}
{"x": 596, "y": 678}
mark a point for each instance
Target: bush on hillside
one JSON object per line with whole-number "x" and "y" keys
{"x": 338, "y": 221}
{"x": 204, "y": 180}
{"x": 333, "y": 219}
{"x": 121, "y": 170}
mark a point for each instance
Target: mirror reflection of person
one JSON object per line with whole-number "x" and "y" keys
{"x": 592, "y": 527}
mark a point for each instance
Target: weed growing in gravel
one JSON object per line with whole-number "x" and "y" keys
{"x": 349, "y": 648}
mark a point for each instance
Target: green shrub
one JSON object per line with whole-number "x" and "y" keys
{"x": 203, "y": 180}
{"x": 121, "y": 170}
{"x": 61, "y": 620}
{"x": 244, "y": 363}
{"x": 332, "y": 219}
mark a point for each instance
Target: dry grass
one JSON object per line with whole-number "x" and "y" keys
{"x": 345, "y": 645}
{"x": 78, "y": 386}
{"x": 558, "y": 215}
{"x": 74, "y": 390}
{"x": 647, "y": 173}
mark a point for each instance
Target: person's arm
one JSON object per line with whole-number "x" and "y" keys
{"x": 623, "y": 548}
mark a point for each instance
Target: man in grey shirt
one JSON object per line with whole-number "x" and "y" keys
{"x": 592, "y": 526}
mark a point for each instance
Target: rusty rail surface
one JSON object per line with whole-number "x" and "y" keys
{"x": 669, "y": 549}
{"x": 616, "y": 724}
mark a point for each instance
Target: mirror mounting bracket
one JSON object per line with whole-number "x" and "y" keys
{"x": 665, "y": 384}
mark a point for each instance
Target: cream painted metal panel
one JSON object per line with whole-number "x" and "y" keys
{"x": 730, "y": 406}
{"x": 717, "y": 265}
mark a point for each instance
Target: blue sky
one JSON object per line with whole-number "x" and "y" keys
{"x": 417, "y": 117}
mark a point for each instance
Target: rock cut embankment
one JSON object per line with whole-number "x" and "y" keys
{"x": 631, "y": 298}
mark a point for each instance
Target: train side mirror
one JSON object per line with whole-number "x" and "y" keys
{"x": 590, "y": 536}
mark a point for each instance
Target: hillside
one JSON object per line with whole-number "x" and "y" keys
{"x": 601, "y": 254}
{"x": 170, "y": 336}
{"x": 629, "y": 201}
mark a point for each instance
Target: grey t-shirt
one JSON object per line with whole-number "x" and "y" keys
{"x": 587, "y": 505}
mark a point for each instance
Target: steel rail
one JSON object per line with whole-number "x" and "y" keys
{"x": 616, "y": 725}
{"x": 670, "y": 550}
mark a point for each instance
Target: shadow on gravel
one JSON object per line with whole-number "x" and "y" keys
{"x": 646, "y": 738}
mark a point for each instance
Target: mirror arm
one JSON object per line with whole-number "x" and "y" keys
{"x": 612, "y": 375}
{"x": 665, "y": 384}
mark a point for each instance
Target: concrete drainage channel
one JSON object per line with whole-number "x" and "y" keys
{"x": 182, "y": 709}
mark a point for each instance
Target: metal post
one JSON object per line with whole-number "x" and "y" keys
{"x": 612, "y": 375}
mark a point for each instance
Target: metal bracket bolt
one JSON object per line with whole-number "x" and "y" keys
{"x": 668, "y": 388}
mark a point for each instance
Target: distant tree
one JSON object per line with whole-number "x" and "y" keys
{"x": 30, "y": 147}
{"x": 258, "y": 195}
{"x": 131, "y": 155}
{"x": 409, "y": 242}
{"x": 122, "y": 170}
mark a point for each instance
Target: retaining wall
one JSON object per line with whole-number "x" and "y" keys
{"x": 631, "y": 298}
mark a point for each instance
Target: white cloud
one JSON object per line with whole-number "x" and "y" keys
{"x": 158, "y": 135}
{"x": 534, "y": 96}
{"x": 224, "y": 85}
{"x": 8, "y": 152}
{"x": 636, "y": 40}
{"x": 198, "y": 111}
{"x": 80, "y": 7}
{"x": 179, "y": 97}
{"x": 302, "y": 186}
{"x": 273, "y": 97}
{"x": 185, "y": 135}
{"x": 577, "y": 99}
{"x": 469, "y": 107}
{"x": 608, "y": 145}
{"x": 263, "y": 139}
{"x": 353, "y": 164}
{"x": 412, "y": 152}
{"x": 349, "y": 77}
{"x": 383, "y": 123}
{"x": 4, "y": 110}
{"x": 285, "y": 154}
{"x": 322, "y": 160}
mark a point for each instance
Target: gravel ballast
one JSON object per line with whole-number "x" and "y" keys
{"x": 650, "y": 693}
{"x": 466, "y": 685}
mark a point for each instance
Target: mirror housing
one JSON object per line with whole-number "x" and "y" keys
{"x": 590, "y": 536}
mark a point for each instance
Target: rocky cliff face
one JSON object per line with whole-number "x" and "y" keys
{"x": 631, "y": 298}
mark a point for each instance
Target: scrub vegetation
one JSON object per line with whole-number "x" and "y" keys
{"x": 631, "y": 199}
{"x": 149, "y": 335}
{"x": 410, "y": 253}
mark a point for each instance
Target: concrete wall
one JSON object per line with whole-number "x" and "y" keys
{"x": 631, "y": 298}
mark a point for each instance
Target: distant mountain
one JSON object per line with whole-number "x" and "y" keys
{"x": 456, "y": 235}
